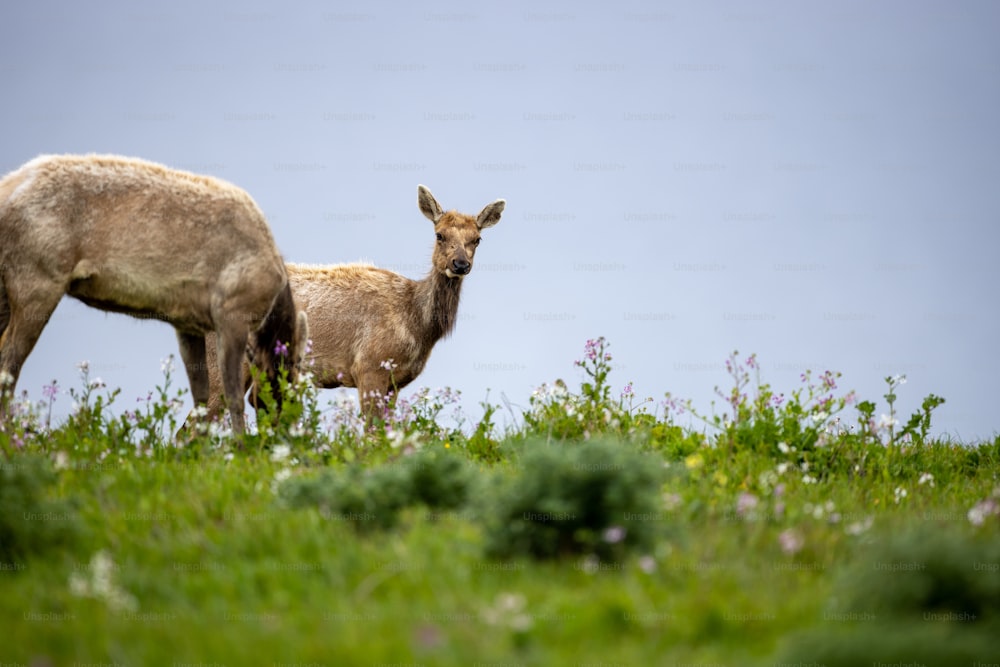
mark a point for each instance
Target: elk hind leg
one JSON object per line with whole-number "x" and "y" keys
{"x": 192, "y": 347}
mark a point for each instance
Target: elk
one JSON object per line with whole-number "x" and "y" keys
{"x": 361, "y": 316}
{"x": 134, "y": 237}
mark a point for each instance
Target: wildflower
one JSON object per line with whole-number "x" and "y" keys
{"x": 791, "y": 542}
{"x": 808, "y": 479}
{"x": 671, "y": 501}
{"x": 783, "y": 448}
{"x": 280, "y": 477}
{"x": 829, "y": 380}
{"x": 693, "y": 461}
{"x": 83, "y": 367}
{"x": 614, "y": 534}
{"x": 388, "y": 365}
{"x": 899, "y": 494}
{"x": 49, "y": 391}
{"x": 100, "y": 585}
{"x": 627, "y": 391}
{"x": 859, "y": 527}
{"x": 508, "y": 610}
{"x": 982, "y": 510}
{"x": 886, "y": 422}
{"x": 96, "y": 383}
{"x": 61, "y": 460}
{"x": 746, "y": 503}
{"x": 280, "y": 349}
{"x": 926, "y": 478}
{"x": 167, "y": 365}
{"x": 280, "y": 452}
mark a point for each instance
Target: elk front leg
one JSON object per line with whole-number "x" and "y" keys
{"x": 373, "y": 393}
{"x": 230, "y": 348}
{"x": 25, "y": 313}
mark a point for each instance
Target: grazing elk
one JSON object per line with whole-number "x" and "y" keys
{"x": 134, "y": 237}
{"x": 361, "y": 316}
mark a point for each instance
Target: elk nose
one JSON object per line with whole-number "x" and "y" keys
{"x": 460, "y": 266}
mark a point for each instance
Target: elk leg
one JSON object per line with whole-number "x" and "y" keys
{"x": 23, "y": 327}
{"x": 373, "y": 387}
{"x": 230, "y": 347}
{"x": 216, "y": 404}
{"x": 4, "y": 308}
{"x": 193, "y": 355}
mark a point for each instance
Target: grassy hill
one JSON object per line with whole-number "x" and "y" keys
{"x": 790, "y": 529}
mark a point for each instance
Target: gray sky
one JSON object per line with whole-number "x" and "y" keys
{"x": 813, "y": 182}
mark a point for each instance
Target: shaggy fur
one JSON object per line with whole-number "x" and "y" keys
{"x": 134, "y": 237}
{"x": 360, "y": 315}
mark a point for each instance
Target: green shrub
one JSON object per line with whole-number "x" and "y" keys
{"x": 438, "y": 479}
{"x": 930, "y": 573}
{"x": 596, "y": 497}
{"x": 929, "y": 596}
{"x": 373, "y": 497}
{"x": 30, "y": 521}
{"x": 366, "y": 498}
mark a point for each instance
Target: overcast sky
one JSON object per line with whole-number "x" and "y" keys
{"x": 816, "y": 182}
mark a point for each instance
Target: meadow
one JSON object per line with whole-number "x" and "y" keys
{"x": 808, "y": 526}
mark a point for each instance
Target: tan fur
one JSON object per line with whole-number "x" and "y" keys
{"x": 134, "y": 237}
{"x": 360, "y": 315}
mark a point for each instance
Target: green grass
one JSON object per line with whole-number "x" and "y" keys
{"x": 778, "y": 535}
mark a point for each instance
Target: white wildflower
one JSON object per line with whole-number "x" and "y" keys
{"x": 859, "y": 527}
{"x": 100, "y": 584}
{"x": 885, "y": 421}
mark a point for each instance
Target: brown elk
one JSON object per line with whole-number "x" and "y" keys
{"x": 361, "y": 316}
{"x": 134, "y": 237}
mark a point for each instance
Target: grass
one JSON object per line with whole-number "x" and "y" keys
{"x": 790, "y": 529}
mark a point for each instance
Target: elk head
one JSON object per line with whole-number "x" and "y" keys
{"x": 458, "y": 234}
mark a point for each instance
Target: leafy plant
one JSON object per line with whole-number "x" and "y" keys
{"x": 31, "y": 521}
{"x": 595, "y": 497}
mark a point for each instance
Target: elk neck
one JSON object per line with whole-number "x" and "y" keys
{"x": 437, "y": 300}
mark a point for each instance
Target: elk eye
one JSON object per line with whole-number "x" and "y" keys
{"x": 476, "y": 242}
{"x": 440, "y": 238}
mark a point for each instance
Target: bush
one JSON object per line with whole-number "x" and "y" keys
{"x": 373, "y": 497}
{"x": 928, "y": 597}
{"x": 928, "y": 574}
{"x": 438, "y": 479}
{"x": 30, "y": 522}
{"x": 598, "y": 498}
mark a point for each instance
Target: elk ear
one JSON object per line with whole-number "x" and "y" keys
{"x": 490, "y": 215}
{"x": 428, "y": 205}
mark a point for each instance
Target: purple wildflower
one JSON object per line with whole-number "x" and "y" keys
{"x": 50, "y": 391}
